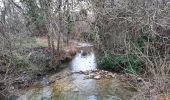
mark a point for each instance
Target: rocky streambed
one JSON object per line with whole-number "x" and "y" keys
{"x": 81, "y": 80}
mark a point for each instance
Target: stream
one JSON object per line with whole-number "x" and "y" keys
{"x": 77, "y": 87}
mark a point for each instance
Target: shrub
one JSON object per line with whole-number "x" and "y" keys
{"x": 106, "y": 61}
{"x": 127, "y": 63}
{"x": 20, "y": 62}
{"x": 133, "y": 64}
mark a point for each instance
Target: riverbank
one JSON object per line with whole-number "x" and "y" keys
{"x": 80, "y": 83}
{"x": 30, "y": 63}
{"x": 31, "y": 70}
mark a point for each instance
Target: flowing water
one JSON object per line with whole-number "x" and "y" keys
{"x": 77, "y": 87}
{"x": 84, "y": 62}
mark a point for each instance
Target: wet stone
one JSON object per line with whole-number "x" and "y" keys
{"x": 97, "y": 77}
{"x": 93, "y": 97}
{"x": 76, "y": 90}
{"x": 114, "y": 98}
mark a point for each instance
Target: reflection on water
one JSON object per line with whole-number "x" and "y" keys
{"x": 84, "y": 62}
{"x": 76, "y": 87}
{"x": 44, "y": 94}
{"x": 93, "y": 97}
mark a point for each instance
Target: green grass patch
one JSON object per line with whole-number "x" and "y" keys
{"x": 20, "y": 61}
{"x": 28, "y": 42}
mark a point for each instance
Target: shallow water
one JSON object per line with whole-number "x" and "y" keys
{"x": 77, "y": 87}
{"x": 83, "y": 63}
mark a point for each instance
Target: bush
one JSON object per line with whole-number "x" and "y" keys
{"x": 133, "y": 64}
{"x": 20, "y": 62}
{"x": 106, "y": 61}
{"x": 119, "y": 63}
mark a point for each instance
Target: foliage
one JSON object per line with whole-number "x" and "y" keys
{"x": 127, "y": 63}
{"x": 143, "y": 37}
{"x": 127, "y": 28}
{"x": 20, "y": 62}
{"x": 106, "y": 61}
{"x": 71, "y": 25}
{"x": 153, "y": 42}
{"x": 36, "y": 17}
{"x": 134, "y": 64}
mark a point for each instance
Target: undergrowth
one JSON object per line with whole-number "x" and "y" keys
{"x": 120, "y": 63}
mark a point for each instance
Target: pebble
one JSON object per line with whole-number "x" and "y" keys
{"x": 97, "y": 77}
{"x": 76, "y": 90}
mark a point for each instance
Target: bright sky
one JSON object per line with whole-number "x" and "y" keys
{"x": 1, "y": 2}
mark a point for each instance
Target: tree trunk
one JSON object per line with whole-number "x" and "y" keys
{"x": 49, "y": 42}
{"x": 68, "y": 21}
{"x": 53, "y": 50}
{"x": 164, "y": 2}
{"x": 60, "y": 22}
